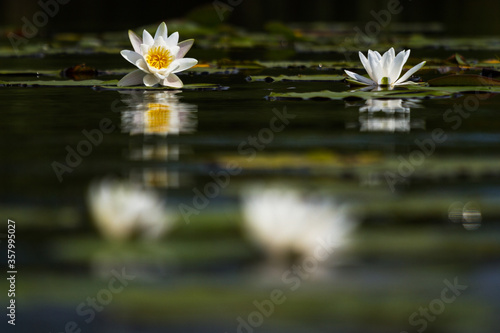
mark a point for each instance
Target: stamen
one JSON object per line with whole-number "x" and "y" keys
{"x": 159, "y": 57}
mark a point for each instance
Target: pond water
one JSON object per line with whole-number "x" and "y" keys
{"x": 409, "y": 188}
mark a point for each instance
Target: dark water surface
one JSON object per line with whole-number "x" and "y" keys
{"x": 427, "y": 209}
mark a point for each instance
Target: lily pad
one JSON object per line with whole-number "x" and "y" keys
{"x": 359, "y": 94}
{"x": 99, "y": 84}
{"x": 296, "y": 78}
{"x": 194, "y": 86}
{"x": 57, "y": 83}
{"x": 464, "y": 80}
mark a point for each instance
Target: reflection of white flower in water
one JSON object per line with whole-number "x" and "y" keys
{"x": 158, "y": 59}
{"x": 369, "y": 124}
{"x": 384, "y": 70}
{"x": 396, "y": 118}
{"x": 386, "y": 105}
{"x": 122, "y": 210}
{"x": 285, "y": 220}
{"x": 157, "y": 113}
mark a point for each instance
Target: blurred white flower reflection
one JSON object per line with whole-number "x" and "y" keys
{"x": 123, "y": 210}
{"x": 468, "y": 214}
{"x": 395, "y": 116}
{"x": 157, "y": 113}
{"x": 286, "y": 221}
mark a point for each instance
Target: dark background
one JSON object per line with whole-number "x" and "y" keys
{"x": 457, "y": 16}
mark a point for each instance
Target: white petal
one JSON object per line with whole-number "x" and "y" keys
{"x": 371, "y": 54}
{"x": 147, "y": 38}
{"x": 392, "y": 53}
{"x": 172, "y": 81}
{"x": 386, "y": 63}
{"x": 131, "y": 56}
{"x": 161, "y": 31}
{"x": 184, "y": 63}
{"x": 173, "y": 40}
{"x": 141, "y": 64}
{"x": 377, "y": 55}
{"x": 184, "y": 46}
{"x": 131, "y": 79}
{"x": 359, "y": 78}
{"x": 150, "y": 80}
{"x": 135, "y": 40}
{"x": 410, "y": 72}
{"x": 159, "y": 42}
{"x": 406, "y": 83}
{"x": 376, "y": 69}
{"x": 366, "y": 64}
{"x": 397, "y": 65}
{"x": 160, "y": 76}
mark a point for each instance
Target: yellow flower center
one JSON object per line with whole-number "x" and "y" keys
{"x": 159, "y": 57}
{"x": 158, "y": 118}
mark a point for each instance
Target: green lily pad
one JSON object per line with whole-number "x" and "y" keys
{"x": 30, "y": 72}
{"x": 99, "y": 84}
{"x": 194, "y": 86}
{"x": 359, "y": 94}
{"x": 296, "y": 78}
{"x": 57, "y": 83}
{"x": 463, "y": 80}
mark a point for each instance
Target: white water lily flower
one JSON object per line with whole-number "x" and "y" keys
{"x": 158, "y": 59}
{"x": 384, "y": 70}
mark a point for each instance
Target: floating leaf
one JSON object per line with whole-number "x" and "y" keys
{"x": 29, "y": 72}
{"x": 194, "y": 86}
{"x": 295, "y": 78}
{"x": 359, "y": 94}
{"x": 57, "y": 83}
{"x": 99, "y": 84}
{"x": 463, "y": 80}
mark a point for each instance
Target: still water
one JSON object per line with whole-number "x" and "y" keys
{"x": 242, "y": 189}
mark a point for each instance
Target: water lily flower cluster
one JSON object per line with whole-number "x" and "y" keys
{"x": 384, "y": 70}
{"x": 158, "y": 58}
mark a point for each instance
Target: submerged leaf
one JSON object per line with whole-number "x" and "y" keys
{"x": 79, "y": 72}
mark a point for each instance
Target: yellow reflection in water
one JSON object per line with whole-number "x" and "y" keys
{"x": 157, "y": 113}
